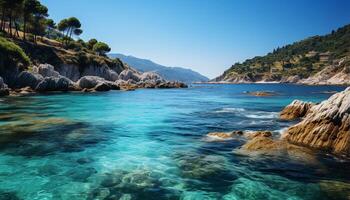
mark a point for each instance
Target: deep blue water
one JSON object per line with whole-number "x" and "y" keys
{"x": 148, "y": 144}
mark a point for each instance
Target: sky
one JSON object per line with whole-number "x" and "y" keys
{"x": 207, "y": 36}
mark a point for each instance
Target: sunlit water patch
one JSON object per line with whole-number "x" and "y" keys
{"x": 148, "y": 144}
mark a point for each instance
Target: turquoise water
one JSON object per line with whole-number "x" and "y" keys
{"x": 148, "y": 144}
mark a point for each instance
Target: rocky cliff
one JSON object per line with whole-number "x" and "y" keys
{"x": 21, "y": 71}
{"x": 326, "y": 126}
{"x": 315, "y": 60}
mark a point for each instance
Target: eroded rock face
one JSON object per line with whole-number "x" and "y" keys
{"x": 102, "y": 71}
{"x": 326, "y": 126}
{"x": 296, "y": 110}
{"x": 336, "y": 74}
{"x": 290, "y": 79}
{"x": 46, "y": 70}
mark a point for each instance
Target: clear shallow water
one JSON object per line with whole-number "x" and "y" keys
{"x": 148, "y": 144}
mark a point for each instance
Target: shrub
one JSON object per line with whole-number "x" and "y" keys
{"x": 12, "y": 53}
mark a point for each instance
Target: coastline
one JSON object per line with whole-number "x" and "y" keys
{"x": 268, "y": 82}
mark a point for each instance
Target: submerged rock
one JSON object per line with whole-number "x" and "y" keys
{"x": 220, "y": 136}
{"x": 201, "y": 166}
{"x": 295, "y": 110}
{"x": 136, "y": 184}
{"x": 262, "y": 93}
{"x": 8, "y": 195}
{"x": 335, "y": 189}
{"x": 326, "y": 126}
{"x": 262, "y": 143}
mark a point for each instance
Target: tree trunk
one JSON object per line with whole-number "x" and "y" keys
{"x": 24, "y": 27}
{"x": 16, "y": 28}
{"x": 2, "y": 20}
{"x": 10, "y": 24}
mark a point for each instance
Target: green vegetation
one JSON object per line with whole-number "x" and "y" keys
{"x": 29, "y": 36}
{"x": 302, "y": 58}
{"x": 10, "y": 54}
{"x": 101, "y": 48}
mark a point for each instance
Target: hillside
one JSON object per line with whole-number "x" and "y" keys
{"x": 297, "y": 61}
{"x": 169, "y": 73}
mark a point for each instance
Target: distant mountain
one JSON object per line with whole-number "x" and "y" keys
{"x": 169, "y": 73}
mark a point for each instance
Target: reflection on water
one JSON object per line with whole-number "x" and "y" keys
{"x": 148, "y": 144}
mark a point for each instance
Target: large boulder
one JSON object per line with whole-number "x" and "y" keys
{"x": 326, "y": 126}
{"x": 54, "y": 84}
{"x": 30, "y": 79}
{"x": 46, "y": 70}
{"x": 151, "y": 76}
{"x": 97, "y": 84}
{"x": 90, "y": 81}
{"x": 295, "y": 110}
{"x": 128, "y": 74}
{"x": 4, "y": 90}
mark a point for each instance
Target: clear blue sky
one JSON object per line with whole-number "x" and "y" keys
{"x": 205, "y": 35}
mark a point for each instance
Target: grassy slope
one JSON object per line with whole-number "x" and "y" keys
{"x": 290, "y": 59}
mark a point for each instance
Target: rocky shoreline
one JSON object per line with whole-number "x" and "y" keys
{"x": 337, "y": 73}
{"x": 324, "y": 126}
{"x": 44, "y": 78}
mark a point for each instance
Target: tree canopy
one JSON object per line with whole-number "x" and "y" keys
{"x": 101, "y": 48}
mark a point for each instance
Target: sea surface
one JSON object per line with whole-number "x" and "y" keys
{"x": 151, "y": 144}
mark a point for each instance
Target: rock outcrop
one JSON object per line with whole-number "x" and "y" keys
{"x": 4, "y": 90}
{"x": 46, "y": 70}
{"x": 261, "y": 93}
{"x": 222, "y": 136}
{"x": 262, "y": 143}
{"x": 335, "y": 74}
{"x": 129, "y": 74}
{"x": 54, "y": 84}
{"x": 30, "y": 79}
{"x": 290, "y": 79}
{"x": 295, "y": 110}
{"x": 95, "y": 83}
{"x": 326, "y": 126}
{"x": 44, "y": 78}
